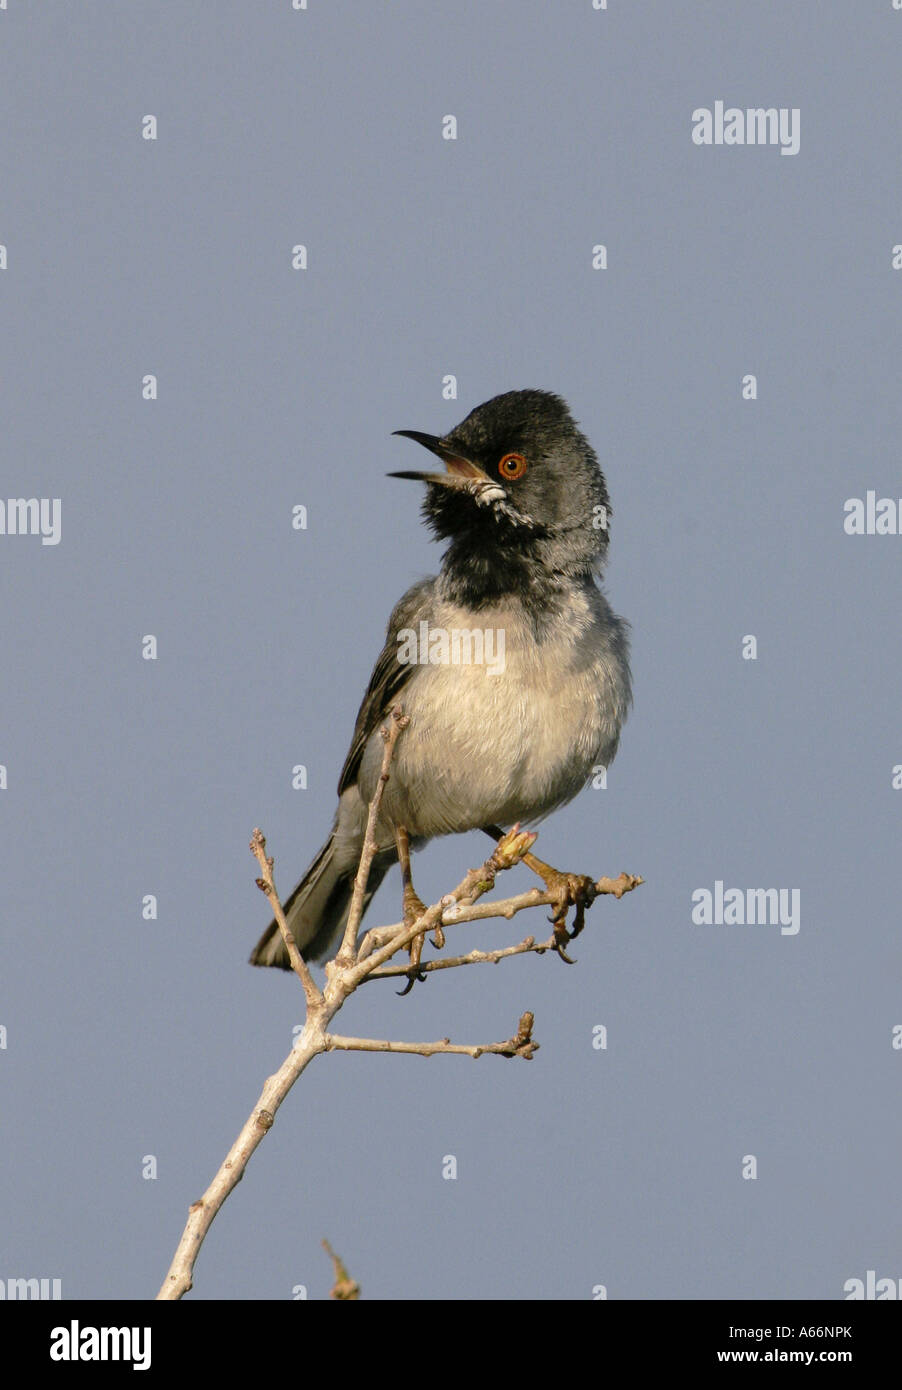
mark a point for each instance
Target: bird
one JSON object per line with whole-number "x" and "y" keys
{"x": 523, "y": 505}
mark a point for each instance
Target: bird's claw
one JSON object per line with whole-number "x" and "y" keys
{"x": 568, "y": 890}
{"x": 414, "y": 976}
{"x": 414, "y": 908}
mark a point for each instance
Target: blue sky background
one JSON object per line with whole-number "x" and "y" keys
{"x": 128, "y": 1038}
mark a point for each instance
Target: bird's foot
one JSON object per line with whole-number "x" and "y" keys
{"x": 414, "y": 908}
{"x": 567, "y": 890}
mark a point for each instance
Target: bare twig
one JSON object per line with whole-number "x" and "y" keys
{"x": 201, "y": 1213}
{"x": 398, "y": 723}
{"x": 474, "y": 957}
{"x": 454, "y": 915}
{"x": 266, "y": 885}
{"x": 344, "y": 1287}
{"x": 534, "y": 897}
{"x": 623, "y": 883}
{"x": 521, "y": 1045}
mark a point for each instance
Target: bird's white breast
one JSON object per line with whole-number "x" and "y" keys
{"x": 509, "y": 737}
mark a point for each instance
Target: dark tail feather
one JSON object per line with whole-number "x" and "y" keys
{"x": 317, "y": 910}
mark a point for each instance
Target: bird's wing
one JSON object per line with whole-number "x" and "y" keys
{"x": 389, "y": 677}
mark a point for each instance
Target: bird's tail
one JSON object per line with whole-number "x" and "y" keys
{"x": 317, "y": 910}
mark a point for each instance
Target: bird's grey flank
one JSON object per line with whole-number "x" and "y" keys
{"x": 510, "y": 664}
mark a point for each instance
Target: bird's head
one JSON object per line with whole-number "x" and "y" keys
{"x": 521, "y": 481}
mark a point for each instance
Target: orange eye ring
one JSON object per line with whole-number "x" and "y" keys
{"x": 512, "y": 466}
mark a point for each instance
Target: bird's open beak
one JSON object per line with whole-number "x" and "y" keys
{"x": 461, "y": 471}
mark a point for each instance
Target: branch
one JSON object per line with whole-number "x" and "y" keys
{"x": 453, "y": 915}
{"x": 321, "y": 1008}
{"x": 507, "y": 852}
{"x": 267, "y": 886}
{"x": 534, "y": 897}
{"x": 351, "y": 968}
{"x": 520, "y": 1045}
{"x": 201, "y": 1213}
{"x": 471, "y": 958}
{"x": 390, "y": 736}
{"x": 344, "y": 1287}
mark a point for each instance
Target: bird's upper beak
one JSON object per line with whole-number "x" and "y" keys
{"x": 461, "y": 472}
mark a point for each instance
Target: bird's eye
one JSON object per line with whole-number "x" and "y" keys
{"x": 512, "y": 466}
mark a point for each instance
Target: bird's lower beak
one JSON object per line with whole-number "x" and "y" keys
{"x": 461, "y": 471}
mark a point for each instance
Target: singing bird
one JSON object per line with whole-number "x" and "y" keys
{"x": 523, "y": 505}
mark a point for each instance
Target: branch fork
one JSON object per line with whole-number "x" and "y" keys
{"x": 352, "y": 967}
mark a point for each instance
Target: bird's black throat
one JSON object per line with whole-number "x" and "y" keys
{"x": 497, "y": 553}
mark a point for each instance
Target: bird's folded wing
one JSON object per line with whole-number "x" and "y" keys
{"x": 389, "y": 677}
